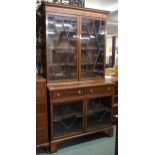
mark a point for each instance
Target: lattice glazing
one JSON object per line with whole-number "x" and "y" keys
{"x": 62, "y": 47}
{"x": 92, "y": 48}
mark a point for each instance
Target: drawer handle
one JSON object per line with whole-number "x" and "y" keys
{"x": 58, "y": 94}
{"x": 108, "y": 88}
{"x": 79, "y": 92}
{"x": 91, "y": 90}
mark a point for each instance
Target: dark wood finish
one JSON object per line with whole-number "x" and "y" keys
{"x": 69, "y": 93}
{"x": 79, "y": 84}
{"x": 74, "y": 98}
{"x": 115, "y": 96}
{"x": 106, "y": 130}
{"x": 41, "y": 113}
{"x": 53, "y": 147}
{"x": 100, "y": 90}
{"x": 95, "y": 65}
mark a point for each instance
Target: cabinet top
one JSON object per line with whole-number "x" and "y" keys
{"x": 79, "y": 84}
{"x": 50, "y": 7}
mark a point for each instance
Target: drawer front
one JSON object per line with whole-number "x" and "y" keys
{"x": 67, "y": 93}
{"x": 104, "y": 90}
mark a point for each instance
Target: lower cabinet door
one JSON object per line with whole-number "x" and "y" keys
{"x": 67, "y": 118}
{"x": 99, "y": 113}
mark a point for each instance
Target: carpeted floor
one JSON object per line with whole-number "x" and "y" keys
{"x": 97, "y": 144}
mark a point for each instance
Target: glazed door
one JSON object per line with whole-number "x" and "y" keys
{"x": 67, "y": 118}
{"x": 61, "y": 33}
{"x": 92, "y": 48}
{"x": 99, "y": 113}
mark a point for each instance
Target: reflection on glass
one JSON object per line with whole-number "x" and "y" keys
{"x": 92, "y": 48}
{"x": 62, "y": 47}
{"x": 99, "y": 112}
{"x": 68, "y": 118}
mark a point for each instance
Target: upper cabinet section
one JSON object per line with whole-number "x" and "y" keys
{"x": 74, "y": 42}
{"x": 62, "y": 47}
{"x": 92, "y": 48}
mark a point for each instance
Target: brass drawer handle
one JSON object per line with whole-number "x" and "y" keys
{"x": 91, "y": 90}
{"x": 108, "y": 88}
{"x": 58, "y": 94}
{"x": 79, "y": 92}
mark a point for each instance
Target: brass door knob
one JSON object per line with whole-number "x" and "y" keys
{"x": 58, "y": 94}
{"x": 108, "y": 88}
{"x": 91, "y": 90}
{"x": 79, "y": 92}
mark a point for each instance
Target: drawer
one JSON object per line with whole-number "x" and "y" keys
{"x": 67, "y": 93}
{"x": 103, "y": 90}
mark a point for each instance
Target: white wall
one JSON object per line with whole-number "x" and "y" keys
{"x": 116, "y": 53}
{"x": 109, "y": 5}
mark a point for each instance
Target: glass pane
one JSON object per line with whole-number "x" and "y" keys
{"x": 92, "y": 48}
{"x": 99, "y": 112}
{"x": 68, "y": 118}
{"x": 62, "y": 47}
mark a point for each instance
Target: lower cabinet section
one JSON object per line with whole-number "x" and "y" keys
{"x": 74, "y": 116}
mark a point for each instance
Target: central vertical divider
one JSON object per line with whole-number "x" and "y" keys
{"x": 79, "y": 47}
{"x": 105, "y": 41}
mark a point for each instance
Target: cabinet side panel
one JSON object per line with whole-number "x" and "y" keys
{"x": 41, "y": 113}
